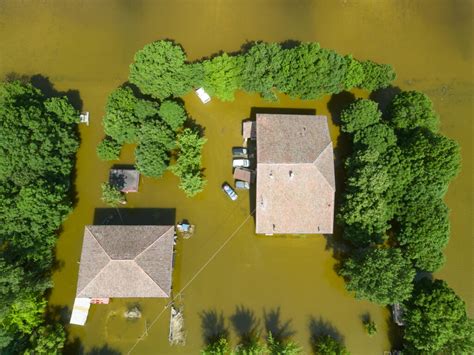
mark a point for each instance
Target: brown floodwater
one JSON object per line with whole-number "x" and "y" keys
{"x": 87, "y": 45}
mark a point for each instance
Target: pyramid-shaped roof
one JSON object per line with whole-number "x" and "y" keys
{"x": 126, "y": 261}
{"x": 295, "y": 175}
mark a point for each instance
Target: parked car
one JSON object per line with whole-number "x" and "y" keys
{"x": 236, "y": 163}
{"x": 242, "y": 185}
{"x": 229, "y": 191}
{"x": 239, "y": 152}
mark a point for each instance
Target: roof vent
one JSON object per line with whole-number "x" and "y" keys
{"x": 271, "y": 174}
{"x": 273, "y": 226}
{"x": 291, "y": 173}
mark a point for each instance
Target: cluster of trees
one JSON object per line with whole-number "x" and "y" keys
{"x": 304, "y": 71}
{"x": 252, "y": 345}
{"x": 158, "y": 130}
{"x": 395, "y": 218}
{"x": 37, "y": 154}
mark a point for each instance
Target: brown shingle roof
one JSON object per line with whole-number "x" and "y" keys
{"x": 126, "y": 261}
{"x": 295, "y": 175}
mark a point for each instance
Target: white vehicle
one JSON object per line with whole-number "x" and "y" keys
{"x": 203, "y": 96}
{"x": 237, "y": 163}
{"x": 84, "y": 118}
{"x": 242, "y": 185}
{"x": 229, "y": 191}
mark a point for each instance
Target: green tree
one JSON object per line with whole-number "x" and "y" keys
{"x": 111, "y": 195}
{"x": 376, "y": 76}
{"x": 188, "y": 163}
{"x": 424, "y": 232}
{"x": 370, "y": 327}
{"x": 262, "y": 67}
{"x": 37, "y": 152}
{"x": 160, "y": 70}
{"x": 109, "y": 149}
{"x": 155, "y": 132}
{"x": 125, "y": 113}
{"x": 380, "y": 275}
{"x": 47, "y": 340}
{"x": 360, "y": 114}
{"x": 412, "y": 109}
{"x": 327, "y": 345}
{"x": 378, "y": 136}
{"x": 354, "y": 73}
{"x": 173, "y": 114}
{"x": 278, "y": 346}
{"x": 151, "y": 159}
{"x": 436, "y": 320}
{"x": 219, "y": 346}
{"x": 223, "y": 76}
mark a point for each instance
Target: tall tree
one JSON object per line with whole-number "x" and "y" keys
{"x": 436, "y": 320}
{"x": 380, "y": 275}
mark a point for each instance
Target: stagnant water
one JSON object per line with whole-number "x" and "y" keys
{"x": 286, "y": 282}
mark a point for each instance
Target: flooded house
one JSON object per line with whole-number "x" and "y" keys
{"x": 295, "y": 175}
{"x": 123, "y": 262}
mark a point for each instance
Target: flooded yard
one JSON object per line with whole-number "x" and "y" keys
{"x": 229, "y": 276}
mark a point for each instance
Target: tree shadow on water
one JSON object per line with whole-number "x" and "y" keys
{"x": 273, "y": 324}
{"x": 213, "y": 326}
{"x": 245, "y": 324}
{"x": 384, "y": 97}
{"x": 320, "y": 327}
{"x": 47, "y": 88}
{"x": 75, "y": 347}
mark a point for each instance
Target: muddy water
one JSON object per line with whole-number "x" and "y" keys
{"x": 88, "y": 45}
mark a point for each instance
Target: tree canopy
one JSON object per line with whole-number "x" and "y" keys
{"x": 412, "y": 109}
{"x": 327, "y": 345}
{"x": 160, "y": 70}
{"x": 37, "y": 154}
{"x": 380, "y": 275}
{"x": 436, "y": 320}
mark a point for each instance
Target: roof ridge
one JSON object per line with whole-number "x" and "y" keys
{"x": 93, "y": 235}
{"x": 148, "y": 247}
{"x": 148, "y": 276}
{"x": 315, "y": 165}
{"x": 101, "y": 270}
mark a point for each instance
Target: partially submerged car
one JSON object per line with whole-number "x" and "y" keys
{"x": 242, "y": 185}
{"x": 240, "y": 152}
{"x": 236, "y": 163}
{"x": 229, "y": 191}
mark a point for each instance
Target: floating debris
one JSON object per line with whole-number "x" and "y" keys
{"x": 185, "y": 230}
{"x": 177, "y": 334}
{"x": 133, "y": 313}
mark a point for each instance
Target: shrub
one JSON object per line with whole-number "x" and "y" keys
{"x": 109, "y": 149}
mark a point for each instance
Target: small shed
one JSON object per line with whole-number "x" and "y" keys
{"x": 246, "y": 175}
{"x": 249, "y": 129}
{"x": 126, "y": 180}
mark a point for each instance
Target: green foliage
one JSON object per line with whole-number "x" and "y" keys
{"x": 378, "y": 137}
{"x": 218, "y": 347}
{"x": 412, "y": 109}
{"x": 380, "y": 275}
{"x": 223, "y": 75}
{"x": 188, "y": 163}
{"x": 37, "y": 149}
{"x": 435, "y": 160}
{"x": 376, "y": 76}
{"x": 327, "y": 345}
{"x": 360, "y": 114}
{"x": 155, "y": 132}
{"x": 262, "y": 67}
{"x": 109, "y": 149}
{"x": 112, "y": 196}
{"x": 151, "y": 159}
{"x": 47, "y": 340}
{"x": 370, "y": 327}
{"x": 160, "y": 70}
{"x": 424, "y": 232}
{"x": 251, "y": 346}
{"x": 125, "y": 113}
{"x": 354, "y": 73}
{"x": 173, "y": 114}
{"x": 279, "y": 347}
{"x": 436, "y": 320}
